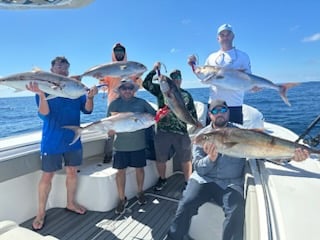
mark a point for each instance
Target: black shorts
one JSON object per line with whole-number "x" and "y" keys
{"x": 122, "y": 160}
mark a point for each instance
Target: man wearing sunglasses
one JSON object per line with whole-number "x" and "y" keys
{"x": 118, "y": 54}
{"x": 129, "y": 147}
{"x": 229, "y": 57}
{"x": 218, "y": 177}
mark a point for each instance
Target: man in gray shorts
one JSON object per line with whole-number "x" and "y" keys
{"x": 171, "y": 131}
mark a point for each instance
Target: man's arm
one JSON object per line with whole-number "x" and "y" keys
{"x": 89, "y": 102}
{"x": 43, "y": 103}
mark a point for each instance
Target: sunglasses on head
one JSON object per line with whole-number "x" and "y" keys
{"x": 127, "y": 88}
{"x": 215, "y": 111}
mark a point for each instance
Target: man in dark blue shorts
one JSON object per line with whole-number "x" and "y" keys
{"x": 55, "y": 142}
{"x": 130, "y": 147}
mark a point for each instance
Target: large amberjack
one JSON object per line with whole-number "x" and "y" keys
{"x": 174, "y": 100}
{"x": 54, "y": 84}
{"x": 245, "y": 143}
{"x": 237, "y": 80}
{"x": 120, "y": 122}
{"x": 122, "y": 69}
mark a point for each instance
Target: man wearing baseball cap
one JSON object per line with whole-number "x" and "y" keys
{"x": 229, "y": 57}
{"x": 217, "y": 177}
{"x": 118, "y": 54}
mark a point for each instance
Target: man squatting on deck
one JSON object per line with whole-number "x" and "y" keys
{"x": 218, "y": 177}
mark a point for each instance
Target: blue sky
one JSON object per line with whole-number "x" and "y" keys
{"x": 281, "y": 38}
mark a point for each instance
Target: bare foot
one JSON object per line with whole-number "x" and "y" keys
{"x": 38, "y": 223}
{"x": 76, "y": 208}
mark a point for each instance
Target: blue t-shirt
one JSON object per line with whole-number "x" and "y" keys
{"x": 63, "y": 111}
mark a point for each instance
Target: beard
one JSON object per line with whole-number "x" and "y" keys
{"x": 220, "y": 122}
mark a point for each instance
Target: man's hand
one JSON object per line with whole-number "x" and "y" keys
{"x": 211, "y": 150}
{"x": 300, "y": 155}
{"x": 111, "y": 133}
{"x": 156, "y": 66}
{"x": 92, "y": 92}
{"x": 34, "y": 87}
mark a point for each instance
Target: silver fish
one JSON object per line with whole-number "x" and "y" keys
{"x": 237, "y": 80}
{"x": 54, "y": 84}
{"x": 245, "y": 143}
{"x": 175, "y": 101}
{"x": 120, "y": 122}
{"x": 127, "y": 69}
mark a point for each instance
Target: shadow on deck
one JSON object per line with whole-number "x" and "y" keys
{"x": 150, "y": 221}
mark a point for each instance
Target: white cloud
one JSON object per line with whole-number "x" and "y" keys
{"x": 174, "y": 50}
{"x": 314, "y": 38}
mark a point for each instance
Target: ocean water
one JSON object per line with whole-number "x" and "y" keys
{"x": 19, "y": 114}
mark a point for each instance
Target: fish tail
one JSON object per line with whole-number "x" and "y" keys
{"x": 77, "y": 132}
{"x": 283, "y": 91}
{"x": 77, "y": 77}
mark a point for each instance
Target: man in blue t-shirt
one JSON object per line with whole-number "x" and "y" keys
{"x": 56, "y": 113}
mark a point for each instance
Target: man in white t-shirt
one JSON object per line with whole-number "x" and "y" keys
{"x": 229, "y": 57}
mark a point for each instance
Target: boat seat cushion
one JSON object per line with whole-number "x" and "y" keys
{"x": 9, "y": 230}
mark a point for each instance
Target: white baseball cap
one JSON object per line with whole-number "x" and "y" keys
{"x": 223, "y": 27}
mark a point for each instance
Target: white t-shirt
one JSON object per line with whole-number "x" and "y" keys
{"x": 233, "y": 59}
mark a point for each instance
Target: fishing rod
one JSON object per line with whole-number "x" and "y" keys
{"x": 313, "y": 141}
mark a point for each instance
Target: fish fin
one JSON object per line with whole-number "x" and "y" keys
{"x": 50, "y": 97}
{"x": 207, "y": 78}
{"x": 77, "y": 132}
{"x": 123, "y": 67}
{"x": 54, "y": 87}
{"x": 16, "y": 90}
{"x": 36, "y": 69}
{"x": 283, "y": 91}
{"x": 279, "y": 161}
{"x": 230, "y": 144}
{"x": 77, "y": 77}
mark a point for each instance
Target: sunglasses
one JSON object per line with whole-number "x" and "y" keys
{"x": 215, "y": 111}
{"x": 176, "y": 76}
{"x": 127, "y": 88}
{"x": 119, "y": 50}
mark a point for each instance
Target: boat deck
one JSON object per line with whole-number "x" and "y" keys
{"x": 150, "y": 221}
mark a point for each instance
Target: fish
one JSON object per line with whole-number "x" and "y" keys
{"x": 237, "y": 80}
{"x": 246, "y": 143}
{"x": 175, "y": 102}
{"x": 122, "y": 69}
{"x": 53, "y": 84}
{"x": 120, "y": 122}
